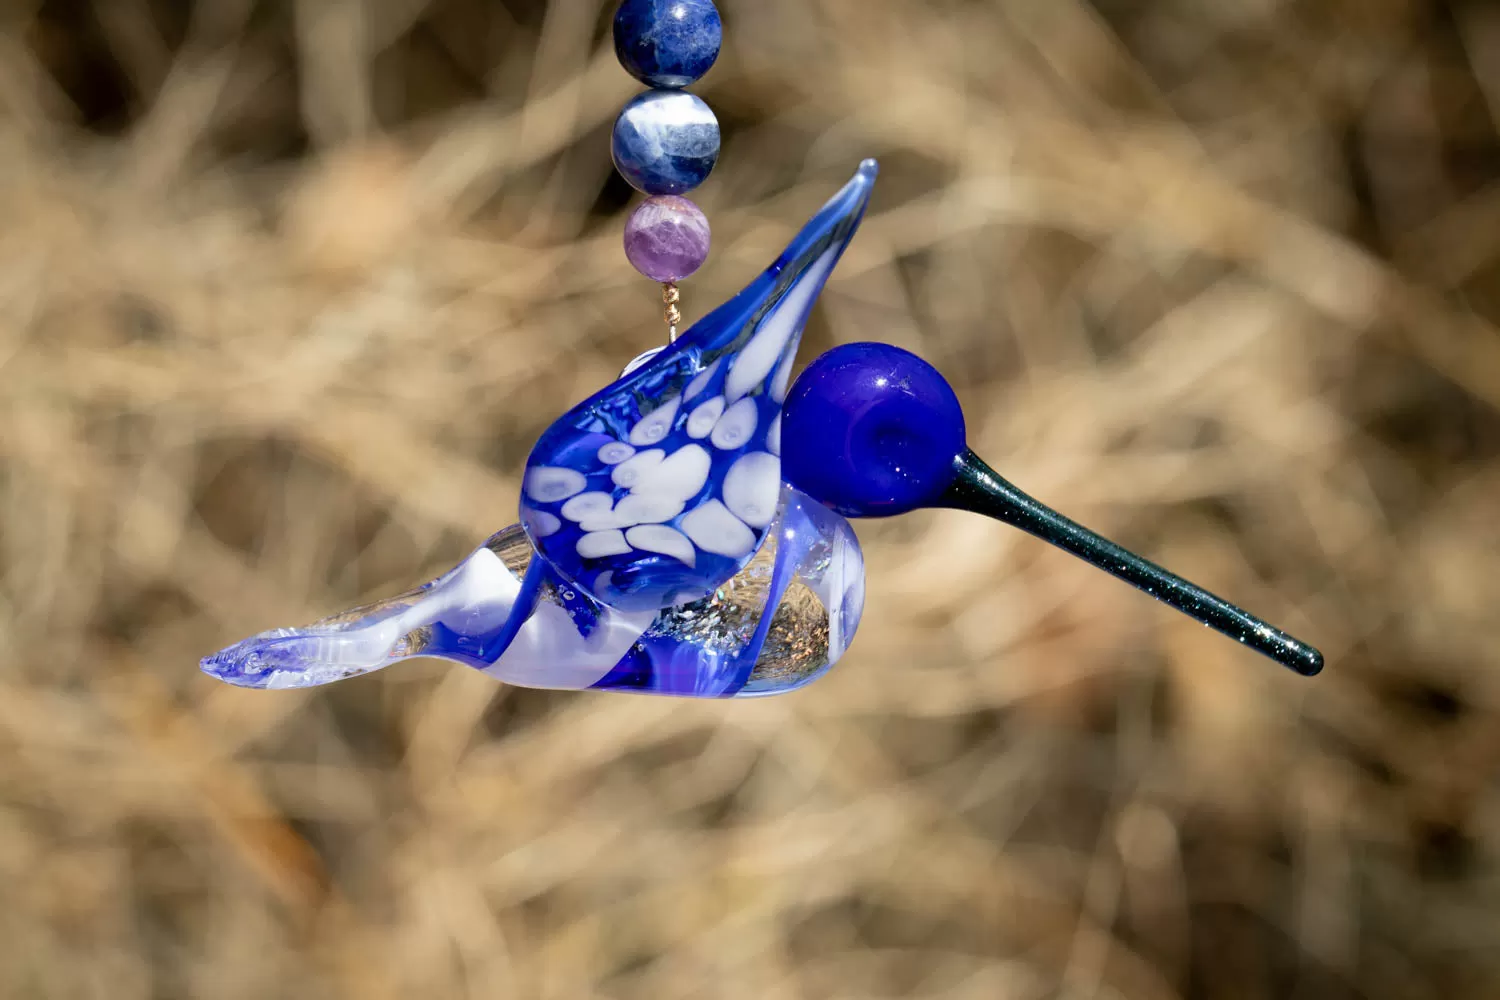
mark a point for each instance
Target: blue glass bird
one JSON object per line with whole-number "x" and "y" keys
{"x": 658, "y": 549}
{"x": 663, "y": 547}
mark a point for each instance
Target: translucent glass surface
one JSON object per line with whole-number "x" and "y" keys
{"x": 780, "y": 622}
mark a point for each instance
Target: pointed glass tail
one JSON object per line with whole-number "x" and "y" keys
{"x": 776, "y": 626}
{"x": 979, "y": 489}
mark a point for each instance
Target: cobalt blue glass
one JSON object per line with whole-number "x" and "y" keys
{"x": 668, "y": 43}
{"x": 665, "y": 142}
{"x": 872, "y": 431}
{"x": 658, "y": 489}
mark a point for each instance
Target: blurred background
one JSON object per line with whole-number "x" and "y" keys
{"x": 287, "y": 289}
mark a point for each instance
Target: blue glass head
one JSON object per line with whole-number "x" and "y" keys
{"x": 872, "y": 430}
{"x": 876, "y": 431}
{"x": 658, "y": 489}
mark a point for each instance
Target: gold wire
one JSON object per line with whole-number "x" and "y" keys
{"x": 670, "y": 296}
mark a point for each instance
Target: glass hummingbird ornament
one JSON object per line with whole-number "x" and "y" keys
{"x": 658, "y": 548}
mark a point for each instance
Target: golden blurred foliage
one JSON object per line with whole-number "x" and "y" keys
{"x": 288, "y": 287}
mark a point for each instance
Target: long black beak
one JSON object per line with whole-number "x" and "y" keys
{"x": 977, "y": 488}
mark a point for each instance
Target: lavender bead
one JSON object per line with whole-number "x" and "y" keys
{"x": 667, "y": 238}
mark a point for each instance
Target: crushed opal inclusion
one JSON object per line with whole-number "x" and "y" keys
{"x": 774, "y": 627}
{"x": 659, "y": 489}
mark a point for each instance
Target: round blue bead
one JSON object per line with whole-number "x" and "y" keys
{"x": 666, "y": 142}
{"x": 667, "y": 43}
{"x": 871, "y": 430}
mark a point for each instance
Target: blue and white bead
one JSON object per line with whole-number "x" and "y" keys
{"x": 665, "y": 142}
{"x": 668, "y": 43}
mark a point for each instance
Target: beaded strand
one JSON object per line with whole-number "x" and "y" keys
{"x": 666, "y": 141}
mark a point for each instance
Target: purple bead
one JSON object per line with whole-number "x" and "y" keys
{"x": 667, "y": 238}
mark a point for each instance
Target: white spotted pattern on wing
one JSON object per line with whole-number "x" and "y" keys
{"x": 587, "y": 505}
{"x": 657, "y": 424}
{"x": 549, "y": 484}
{"x": 604, "y": 521}
{"x": 714, "y": 529}
{"x": 680, "y": 476}
{"x": 752, "y": 487}
{"x": 736, "y": 425}
{"x": 615, "y": 452}
{"x": 763, "y": 353}
{"x": 701, "y": 380}
{"x": 599, "y": 544}
{"x": 646, "y": 508}
{"x": 701, "y": 422}
{"x": 634, "y": 469}
{"x": 664, "y": 540}
{"x": 773, "y": 436}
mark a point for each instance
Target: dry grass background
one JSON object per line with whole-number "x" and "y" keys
{"x": 287, "y": 289}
